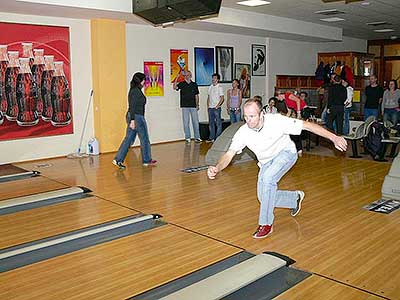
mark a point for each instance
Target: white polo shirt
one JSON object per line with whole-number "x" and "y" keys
{"x": 215, "y": 91}
{"x": 270, "y": 140}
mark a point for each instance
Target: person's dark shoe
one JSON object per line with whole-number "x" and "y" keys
{"x": 295, "y": 211}
{"x": 150, "y": 163}
{"x": 262, "y": 231}
{"x": 119, "y": 164}
{"x": 209, "y": 141}
{"x": 198, "y": 140}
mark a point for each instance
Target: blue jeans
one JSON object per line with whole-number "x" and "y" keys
{"x": 214, "y": 119}
{"x": 370, "y": 112}
{"x": 267, "y": 186}
{"x": 346, "y": 121}
{"x": 390, "y": 114}
{"x": 235, "y": 115}
{"x": 141, "y": 130}
{"x": 190, "y": 112}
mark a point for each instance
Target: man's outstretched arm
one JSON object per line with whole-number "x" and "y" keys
{"x": 339, "y": 141}
{"x": 223, "y": 162}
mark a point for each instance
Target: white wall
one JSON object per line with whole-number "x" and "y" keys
{"x": 163, "y": 114}
{"x": 81, "y": 77}
{"x": 300, "y": 58}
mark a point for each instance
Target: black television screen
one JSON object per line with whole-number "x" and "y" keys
{"x": 159, "y": 12}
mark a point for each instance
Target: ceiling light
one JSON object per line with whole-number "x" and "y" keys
{"x": 329, "y": 12}
{"x": 378, "y": 23}
{"x": 333, "y": 19}
{"x": 393, "y": 37}
{"x": 253, "y": 2}
{"x": 384, "y": 30}
{"x": 365, "y": 3}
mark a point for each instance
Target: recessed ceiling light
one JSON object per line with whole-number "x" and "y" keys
{"x": 393, "y": 37}
{"x": 329, "y": 12}
{"x": 384, "y": 30}
{"x": 365, "y": 3}
{"x": 333, "y": 19}
{"x": 253, "y": 2}
{"x": 378, "y": 23}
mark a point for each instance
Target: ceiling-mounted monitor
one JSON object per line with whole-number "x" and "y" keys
{"x": 160, "y": 12}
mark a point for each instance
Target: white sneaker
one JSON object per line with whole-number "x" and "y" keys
{"x": 295, "y": 211}
{"x": 187, "y": 141}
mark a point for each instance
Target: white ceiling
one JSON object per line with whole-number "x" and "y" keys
{"x": 356, "y": 15}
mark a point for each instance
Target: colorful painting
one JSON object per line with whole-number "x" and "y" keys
{"x": 35, "y": 81}
{"x": 258, "y": 60}
{"x": 224, "y": 59}
{"x": 242, "y": 73}
{"x": 204, "y": 65}
{"x": 154, "y": 83}
{"x": 179, "y": 59}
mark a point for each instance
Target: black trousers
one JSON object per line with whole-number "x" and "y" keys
{"x": 336, "y": 114}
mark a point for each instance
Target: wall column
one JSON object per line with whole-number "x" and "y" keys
{"x": 109, "y": 82}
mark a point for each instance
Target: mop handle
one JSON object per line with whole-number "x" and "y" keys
{"x": 84, "y": 124}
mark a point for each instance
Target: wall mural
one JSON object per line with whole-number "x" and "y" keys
{"x": 35, "y": 83}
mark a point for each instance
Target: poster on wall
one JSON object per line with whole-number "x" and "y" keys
{"x": 242, "y": 73}
{"x": 154, "y": 82}
{"x": 224, "y": 63}
{"x": 179, "y": 60}
{"x": 204, "y": 65}
{"x": 35, "y": 81}
{"x": 258, "y": 60}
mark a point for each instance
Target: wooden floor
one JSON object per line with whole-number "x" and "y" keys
{"x": 353, "y": 253}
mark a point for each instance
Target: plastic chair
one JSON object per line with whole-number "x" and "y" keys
{"x": 355, "y": 136}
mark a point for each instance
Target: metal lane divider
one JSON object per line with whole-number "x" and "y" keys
{"x": 32, "y": 252}
{"x": 11, "y": 177}
{"x": 13, "y": 205}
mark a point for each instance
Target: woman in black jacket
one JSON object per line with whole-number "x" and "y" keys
{"x": 136, "y": 124}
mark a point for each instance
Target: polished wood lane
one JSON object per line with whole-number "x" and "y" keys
{"x": 332, "y": 236}
{"x": 38, "y": 223}
{"x": 317, "y": 288}
{"x": 28, "y": 186}
{"x": 117, "y": 269}
{"x": 9, "y": 169}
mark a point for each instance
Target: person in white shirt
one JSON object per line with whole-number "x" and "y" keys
{"x": 347, "y": 107}
{"x": 214, "y": 102}
{"x": 267, "y": 135}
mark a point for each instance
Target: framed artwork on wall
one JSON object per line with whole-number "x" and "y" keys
{"x": 224, "y": 63}
{"x": 242, "y": 73}
{"x": 154, "y": 82}
{"x": 179, "y": 59}
{"x": 35, "y": 81}
{"x": 258, "y": 60}
{"x": 203, "y": 65}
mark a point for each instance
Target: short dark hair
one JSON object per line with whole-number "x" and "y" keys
{"x": 273, "y": 98}
{"x": 137, "y": 79}
{"x": 281, "y": 106}
{"x": 216, "y": 75}
{"x": 303, "y": 92}
{"x": 258, "y": 98}
{"x": 395, "y": 83}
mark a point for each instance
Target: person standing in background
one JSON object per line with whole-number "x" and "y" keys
{"x": 347, "y": 106}
{"x": 136, "y": 124}
{"x": 215, "y": 99}
{"x": 234, "y": 102}
{"x": 374, "y": 94}
{"x": 390, "y": 103}
{"x": 337, "y": 95}
{"x": 189, "y": 94}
